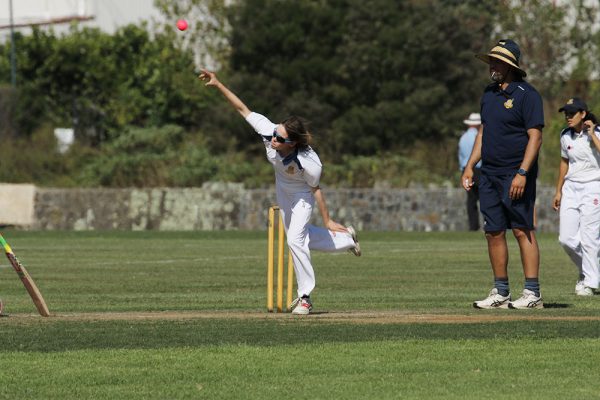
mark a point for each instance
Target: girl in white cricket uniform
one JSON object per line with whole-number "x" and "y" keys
{"x": 578, "y": 193}
{"x": 297, "y": 174}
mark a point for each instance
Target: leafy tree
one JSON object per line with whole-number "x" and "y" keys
{"x": 100, "y": 83}
{"x": 371, "y": 76}
{"x": 207, "y": 31}
{"x": 545, "y": 52}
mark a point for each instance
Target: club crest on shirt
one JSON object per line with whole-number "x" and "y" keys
{"x": 595, "y": 202}
{"x": 290, "y": 170}
{"x": 508, "y": 104}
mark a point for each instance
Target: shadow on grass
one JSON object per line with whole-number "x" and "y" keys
{"x": 62, "y": 336}
{"x": 557, "y": 305}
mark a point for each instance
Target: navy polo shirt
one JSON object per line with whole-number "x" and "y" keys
{"x": 506, "y": 116}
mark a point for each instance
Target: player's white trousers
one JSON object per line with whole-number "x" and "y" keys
{"x": 302, "y": 237}
{"x": 580, "y": 228}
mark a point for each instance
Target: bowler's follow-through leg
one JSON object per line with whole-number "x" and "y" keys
{"x": 321, "y": 239}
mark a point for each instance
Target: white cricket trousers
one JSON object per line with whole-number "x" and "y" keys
{"x": 296, "y": 211}
{"x": 579, "y": 232}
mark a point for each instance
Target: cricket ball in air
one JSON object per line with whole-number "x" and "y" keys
{"x": 182, "y": 24}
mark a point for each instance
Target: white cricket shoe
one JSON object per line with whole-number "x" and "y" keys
{"x": 584, "y": 290}
{"x": 527, "y": 300}
{"x": 494, "y": 300}
{"x": 301, "y": 306}
{"x": 579, "y": 285}
{"x": 356, "y": 249}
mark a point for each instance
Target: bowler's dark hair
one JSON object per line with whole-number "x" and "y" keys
{"x": 590, "y": 117}
{"x": 297, "y": 131}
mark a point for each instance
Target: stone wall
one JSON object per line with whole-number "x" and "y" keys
{"x": 229, "y": 206}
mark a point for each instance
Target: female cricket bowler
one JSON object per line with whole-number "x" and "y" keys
{"x": 297, "y": 173}
{"x": 577, "y": 196}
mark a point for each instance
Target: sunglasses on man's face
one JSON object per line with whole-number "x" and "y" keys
{"x": 570, "y": 114}
{"x": 280, "y": 138}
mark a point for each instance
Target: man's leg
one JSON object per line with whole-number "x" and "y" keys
{"x": 499, "y": 297}
{"x": 530, "y": 257}
{"x": 530, "y": 252}
{"x": 495, "y": 227}
{"x": 498, "y": 252}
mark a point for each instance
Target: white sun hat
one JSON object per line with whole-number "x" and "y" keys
{"x": 474, "y": 119}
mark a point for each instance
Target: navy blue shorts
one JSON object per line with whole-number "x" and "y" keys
{"x": 499, "y": 211}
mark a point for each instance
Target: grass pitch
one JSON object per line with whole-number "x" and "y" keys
{"x": 182, "y": 315}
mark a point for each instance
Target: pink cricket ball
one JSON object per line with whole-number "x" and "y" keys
{"x": 182, "y": 24}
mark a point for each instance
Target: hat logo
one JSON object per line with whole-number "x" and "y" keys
{"x": 570, "y": 101}
{"x": 508, "y": 104}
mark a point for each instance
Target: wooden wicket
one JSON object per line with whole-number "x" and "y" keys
{"x": 280, "y": 257}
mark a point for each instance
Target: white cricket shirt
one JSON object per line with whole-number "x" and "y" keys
{"x": 584, "y": 158}
{"x": 291, "y": 178}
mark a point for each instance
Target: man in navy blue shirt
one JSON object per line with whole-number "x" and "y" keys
{"x": 508, "y": 146}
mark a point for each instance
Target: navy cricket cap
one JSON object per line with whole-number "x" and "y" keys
{"x": 573, "y": 105}
{"x": 506, "y": 50}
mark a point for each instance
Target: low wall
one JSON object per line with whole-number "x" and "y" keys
{"x": 229, "y": 206}
{"x": 17, "y": 204}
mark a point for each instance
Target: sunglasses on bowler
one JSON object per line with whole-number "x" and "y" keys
{"x": 279, "y": 138}
{"x": 570, "y": 114}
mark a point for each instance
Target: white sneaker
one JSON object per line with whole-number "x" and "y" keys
{"x": 356, "y": 249}
{"x": 584, "y": 290}
{"x": 301, "y": 306}
{"x": 527, "y": 300}
{"x": 494, "y": 300}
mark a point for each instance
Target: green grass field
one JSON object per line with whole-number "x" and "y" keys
{"x": 182, "y": 315}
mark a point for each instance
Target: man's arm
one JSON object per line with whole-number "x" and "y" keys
{"x": 211, "y": 80}
{"x": 328, "y": 222}
{"x": 532, "y": 150}
{"x": 533, "y": 147}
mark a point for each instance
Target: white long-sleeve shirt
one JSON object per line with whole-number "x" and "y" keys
{"x": 291, "y": 178}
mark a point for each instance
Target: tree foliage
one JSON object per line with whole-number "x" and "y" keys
{"x": 99, "y": 83}
{"x": 371, "y": 76}
{"x": 208, "y": 28}
{"x": 384, "y": 83}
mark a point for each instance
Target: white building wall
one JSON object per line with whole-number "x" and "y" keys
{"x": 108, "y": 15}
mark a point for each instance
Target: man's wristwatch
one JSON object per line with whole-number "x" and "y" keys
{"x": 522, "y": 172}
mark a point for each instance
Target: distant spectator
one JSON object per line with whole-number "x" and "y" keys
{"x": 465, "y": 147}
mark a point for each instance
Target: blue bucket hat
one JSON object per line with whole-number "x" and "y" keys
{"x": 507, "y": 51}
